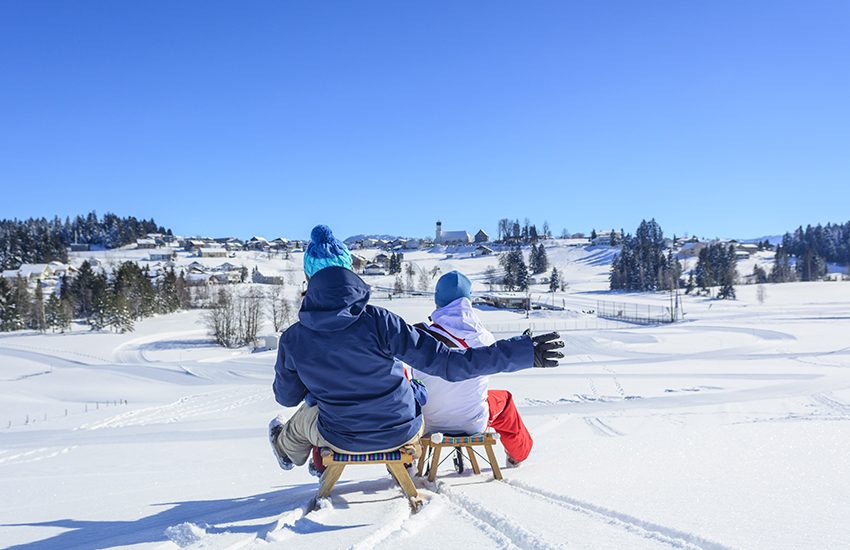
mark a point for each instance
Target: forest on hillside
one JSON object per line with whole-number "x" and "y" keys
{"x": 36, "y": 241}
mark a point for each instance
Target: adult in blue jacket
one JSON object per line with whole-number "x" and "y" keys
{"x": 344, "y": 360}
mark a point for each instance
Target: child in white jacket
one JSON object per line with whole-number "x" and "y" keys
{"x": 468, "y": 406}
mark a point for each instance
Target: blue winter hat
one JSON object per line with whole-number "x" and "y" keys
{"x": 325, "y": 250}
{"x": 450, "y": 287}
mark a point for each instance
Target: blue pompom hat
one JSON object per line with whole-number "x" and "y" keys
{"x": 450, "y": 287}
{"x": 325, "y": 250}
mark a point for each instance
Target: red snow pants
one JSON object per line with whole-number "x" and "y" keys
{"x": 505, "y": 419}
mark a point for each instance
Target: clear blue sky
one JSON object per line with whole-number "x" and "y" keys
{"x": 716, "y": 118}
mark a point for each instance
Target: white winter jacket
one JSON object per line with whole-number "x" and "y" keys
{"x": 457, "y": 407}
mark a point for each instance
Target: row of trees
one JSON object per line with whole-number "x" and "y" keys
{"x": 830, "y": 243}
{"x": 234, "y": 317}
{"x": 511, "y": 232}
{"x": 810, "y": 266}
{"x": 642, "y": 265}
{"x": 415, "y": 278}
{"x": 117, "y": 301}
{"x": 515, "y": 272}
{"x": 36, "y": 241}
{"x": 716, "y": 266}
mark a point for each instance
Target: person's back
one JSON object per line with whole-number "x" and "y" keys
{"x": 457, "y": 407}
{"x": 468, "y": 406}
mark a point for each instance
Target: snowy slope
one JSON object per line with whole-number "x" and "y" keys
{"x": 730, "y": 429}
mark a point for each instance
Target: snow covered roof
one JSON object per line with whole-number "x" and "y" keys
{"x": 454, "y": 235}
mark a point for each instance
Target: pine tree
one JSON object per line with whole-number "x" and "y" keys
{"x": 555, "y": 281}
{"x": 51, "y": 312}
{"x": 120, "y": 318}
{"x": 37, "y": 319}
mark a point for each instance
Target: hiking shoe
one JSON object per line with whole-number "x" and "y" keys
{"x": 275, "y": 427}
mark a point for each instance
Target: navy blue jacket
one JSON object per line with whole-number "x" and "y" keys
{"x": 347, "y": 355}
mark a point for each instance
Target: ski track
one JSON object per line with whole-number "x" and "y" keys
{"x": 207, "y": 405}
{"x": 31, "y": 456}
{"x": 495, "y": 524}
{"x": 601, "y": 428}
{"x": 644, "y": 529}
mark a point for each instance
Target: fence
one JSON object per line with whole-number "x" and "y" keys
{"x": 26, "y": 419}
{"x": 644, "y": 314}
{"x": 540, "y": 327}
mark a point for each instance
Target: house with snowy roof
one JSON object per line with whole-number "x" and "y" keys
{"x": 32, "y": 272}
{"x": 451, "y": 237}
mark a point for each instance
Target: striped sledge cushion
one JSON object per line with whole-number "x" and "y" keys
{"x": 370, "y": 457}
{"x": 463, "y": 440}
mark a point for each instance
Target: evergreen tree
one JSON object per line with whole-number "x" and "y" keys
{"x": 691, "y": 285}
{"x": 166, "y": 292}
{"x": 120, "y": 318}
{"x": 7, "y": 305}
{"x": 537, "y": 260}
{"x": 759, "y": 274}
{"x": 21, "y": 300}
{"x": 102, "y": 309}
{"x": 555, "y": 281}
{"x": 717, "y": 265}
{"x": 522, "y": 279}
{"x": 395, "y": 264}
{"x": 781, "y": 272}
{"x": 81, "y": 290}
{"x": 37, "y": 319}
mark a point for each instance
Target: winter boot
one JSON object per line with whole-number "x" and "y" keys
{"x": 315, "y": 465}
{"x": 275, "y": 427}
{"x": 511, "y": 462}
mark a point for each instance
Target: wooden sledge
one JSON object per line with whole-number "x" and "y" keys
{"x": 439, "y": 441}
{"x": 396, "y": 462}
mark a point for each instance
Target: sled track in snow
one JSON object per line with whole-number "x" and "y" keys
{"x": 644, "y": 529}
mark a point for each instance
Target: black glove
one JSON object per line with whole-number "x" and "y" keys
{"x": 544, "y": 344}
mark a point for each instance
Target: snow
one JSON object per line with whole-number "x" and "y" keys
{"x": 729, "y": 429}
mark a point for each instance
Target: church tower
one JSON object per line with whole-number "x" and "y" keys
{"x": 439, "y": 235}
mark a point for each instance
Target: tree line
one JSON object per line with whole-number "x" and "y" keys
{"x": 515, "y": 272}
{"x": 102, "y": 301}
{"x": 130, "y": 293}
{"x": 36, "y": 241}
{"x": 642, "y": 264}
{"x": 511, "y": 232}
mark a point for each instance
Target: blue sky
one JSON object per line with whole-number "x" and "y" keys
{"x": 718, "y": 119}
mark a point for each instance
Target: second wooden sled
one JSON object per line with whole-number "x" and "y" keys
{"x": 438, "y": 441}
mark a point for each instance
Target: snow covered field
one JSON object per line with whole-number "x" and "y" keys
{"x": 730, "y": 429}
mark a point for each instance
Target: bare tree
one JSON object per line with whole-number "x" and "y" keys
{"x": 279, "y": 308}
{"x": 220, "y": 319}
{"x": 424, "y": 281}
{"x": 410, "y": 272}
{"x": 250, "y": 315}
{"x": 490, "y": 276}
{"x": 761, "y": 294}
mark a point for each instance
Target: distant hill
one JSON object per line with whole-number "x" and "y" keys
{"x": 355, "y": 238}
{"x": 772, "y": 239}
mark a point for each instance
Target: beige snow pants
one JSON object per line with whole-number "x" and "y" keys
{"x": 301, "y": 432}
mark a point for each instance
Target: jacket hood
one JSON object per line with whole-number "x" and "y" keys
{"x": 335, "y": 299}
{"x": 460, "y": 319}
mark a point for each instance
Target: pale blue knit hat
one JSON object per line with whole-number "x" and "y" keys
{"x": 325, "y": 250}
{"x": 450, "y": 287}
